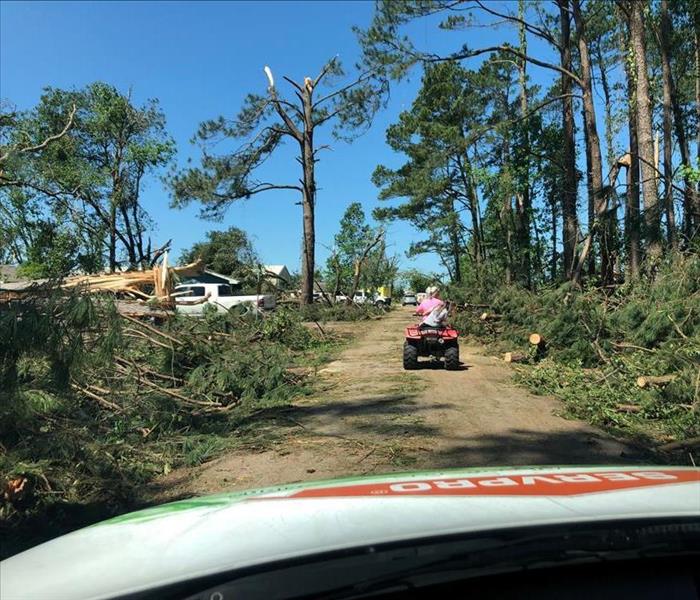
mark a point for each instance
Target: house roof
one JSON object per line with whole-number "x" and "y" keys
{"x": 207, "y": 275}
{"x": 276, "y": 269}
{"x": 280, "y": 270}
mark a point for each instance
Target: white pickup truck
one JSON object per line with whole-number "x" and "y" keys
{"x": 193, "y": 297}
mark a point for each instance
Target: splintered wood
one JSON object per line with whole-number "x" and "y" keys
{"x": 140, "y": 293}
{"x": 153, "y": 284}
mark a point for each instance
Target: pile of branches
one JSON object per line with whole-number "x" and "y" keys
{"x": 340, "y": 311}
{"x": 626, "y": 356}
{"x": 94, "y": 403}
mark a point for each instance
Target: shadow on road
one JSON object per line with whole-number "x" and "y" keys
{"x": 521, "y": 447}
{"x": 437, "y": 365}
{"x": 383, "y": 417}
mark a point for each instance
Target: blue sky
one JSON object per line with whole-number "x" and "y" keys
{"x": 200, "y": 59}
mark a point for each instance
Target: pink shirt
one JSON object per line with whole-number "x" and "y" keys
{"x": 428, "y": 305}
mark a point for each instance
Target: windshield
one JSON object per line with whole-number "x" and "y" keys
{"x": 247, "y": 244}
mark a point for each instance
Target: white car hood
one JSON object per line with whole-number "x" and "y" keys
{"x": 203, "y": 536}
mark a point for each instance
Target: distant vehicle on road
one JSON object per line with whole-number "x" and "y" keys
{"x": 193, "y": 297}
{"x": 364, "y": 297}
{"x": 409, "y": 299}
{"x": 382, "y": 297}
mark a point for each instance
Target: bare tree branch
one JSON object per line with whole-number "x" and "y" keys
{"x": 47, "y": 141}
{"x": 542, "y": 33}
{"x": 503, "y": 48}
{"x": 361, "y": 79}
{"x": 294, "y": 83}
{"x": 278, "y": 107}
{"x": 325, "y": 70}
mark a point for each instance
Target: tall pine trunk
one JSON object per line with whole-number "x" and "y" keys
{"x": 652, "y": 225}
{"x": 524, "y": 207}
{"x": 696, "y": 202}
{"x": 569, "y": 193}
{"x": 456, "y": 247}
{"x": 664, "y": 43}
{"x": 590, "y": 199}
{"x": 611, "y": 215}
{"x": 593, "y": 143}
{"x": 308, "y": 201}
{"x": 555, "y": 255}
{"x": 465, "y": 171}
{"x": 113, "y": 237}
{"x": 632, "y": 233}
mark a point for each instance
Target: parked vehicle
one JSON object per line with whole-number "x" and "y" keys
{"x": 382, "y": 297}
{"x": 409, "y": 299}
{"x": 193, "y": 297}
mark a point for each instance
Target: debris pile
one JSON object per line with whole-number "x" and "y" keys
{"x": 138, "y": 292}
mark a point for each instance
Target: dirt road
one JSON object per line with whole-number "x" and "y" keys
{"x": 371, "y": 416}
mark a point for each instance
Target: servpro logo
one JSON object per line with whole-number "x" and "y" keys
{"x": 541, "y": 484}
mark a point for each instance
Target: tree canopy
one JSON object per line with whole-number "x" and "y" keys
{"x": 81, "y": 190}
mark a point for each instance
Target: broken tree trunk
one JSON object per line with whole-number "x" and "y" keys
{"x": 649, "y": 380}
{"x": 536, "y": 339}
{"x": 539, "y": 346}
{"x": 161, "y": 279}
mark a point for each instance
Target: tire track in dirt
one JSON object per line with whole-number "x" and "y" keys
{"x": 368, "y": 415}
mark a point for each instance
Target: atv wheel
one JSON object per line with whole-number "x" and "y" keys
{"x": 410, "y": 356}
{"x": 452, "y": 358}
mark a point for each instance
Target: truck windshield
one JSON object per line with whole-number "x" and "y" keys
{"x": 193, "y": 290}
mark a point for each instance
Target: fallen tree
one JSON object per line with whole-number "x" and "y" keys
{"x": 94, "y": 402}
{"x": 140, "y": 293}
{"x": 622, "y": 357}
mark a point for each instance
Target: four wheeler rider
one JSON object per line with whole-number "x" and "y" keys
{"x": 431, "y": 301}
{"x": 433, "y": 309}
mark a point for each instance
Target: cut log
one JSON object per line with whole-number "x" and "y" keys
{"x": 536, "y": 339}
{"x": 628, "y": 408}
{"x": 487, "y": 316}
{"x": 649, "y": 380}
{"x": 514, "y": 357}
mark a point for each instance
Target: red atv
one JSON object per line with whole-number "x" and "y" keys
{"x": 434, "y": 342}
